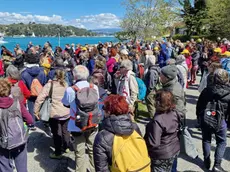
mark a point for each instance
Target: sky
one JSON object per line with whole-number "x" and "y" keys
{"x": 89, "y": 14}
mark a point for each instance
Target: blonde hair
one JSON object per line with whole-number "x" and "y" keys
{"x": 5, "y": 88}
{"x": 60, "y": 76}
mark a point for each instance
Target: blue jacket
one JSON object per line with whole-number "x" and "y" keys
{"x": 33, "y": 72}
{"x": 163, "y": 57}
{"x": 91, "y": 65}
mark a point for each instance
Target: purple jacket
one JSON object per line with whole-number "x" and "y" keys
{"x": 162, "y": 136}
{"x": 6, "y": 102}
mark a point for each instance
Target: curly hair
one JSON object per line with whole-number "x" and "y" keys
{"x": 5, "y": 88}
{"x": 121, "y": 107}
{"x": 164, "y": 102}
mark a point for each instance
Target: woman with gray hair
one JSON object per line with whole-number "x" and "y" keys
{"x": 14, "y": 78}
{"x": 214, "y": 102}
{"x": 126, "y": 84}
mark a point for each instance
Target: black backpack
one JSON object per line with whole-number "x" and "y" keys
{"x": 213, "y": 115}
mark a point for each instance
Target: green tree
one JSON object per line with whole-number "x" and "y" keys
{"x": 147, "y": 18}
{"x": 218, "y": 18}
{"x": 194, "y": 14}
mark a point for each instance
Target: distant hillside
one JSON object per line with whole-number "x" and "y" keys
{"x": 108, "y": 31}
{"x": 43, "y": 30}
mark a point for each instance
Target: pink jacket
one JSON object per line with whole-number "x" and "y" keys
{"x": 189, "y": 62}
{"x": 57, "y": 108}
{"x": 110, "y": 64}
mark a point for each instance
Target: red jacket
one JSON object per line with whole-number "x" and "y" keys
{"x": 22, "y": 86}
{"x": 1, "y": 68}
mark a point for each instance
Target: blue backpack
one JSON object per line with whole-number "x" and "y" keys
{"x": 142, "y": 89}
{"x": 226, "y": 65}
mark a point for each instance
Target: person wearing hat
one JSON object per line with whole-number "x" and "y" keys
{"x": 169, "y": 81}
{"x": 216, "y": 55}
{"x": 168, "y": 78}
{"x": 220, "y": 90}
{"x": 188, "y": 60}
{"x": 225, "y": 61}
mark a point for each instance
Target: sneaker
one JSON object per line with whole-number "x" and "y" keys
{"x": 207, "y": 163}
{"x": 32, "y": 127}
{"x": 218, "y": 169}
{"x": 53, "y": 156}
{"x": 66, "y": 150}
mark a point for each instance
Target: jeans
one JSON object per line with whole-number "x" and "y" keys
{"x": 174, "y": 167}
{"x": 61, "y": 136}
{"x": 18, "y": 155}
{"x": 220, "y": 142}
{"x": 194, "y": 71}
{"x": 31, "y": 103}
{"x": 81, "y": 142}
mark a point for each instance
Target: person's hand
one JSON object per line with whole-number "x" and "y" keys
{"x": 37, "y": 116}
{"x": 117, "y": 74}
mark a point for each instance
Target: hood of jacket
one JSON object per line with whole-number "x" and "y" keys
{"x": 6, "y": 102}
{"x": 119, "y": 125}
{"x": 170, "y": 83}
{"x": 220, "y": 92}
{"x": 33, "y": 71}
{"x": 155, "y": 68}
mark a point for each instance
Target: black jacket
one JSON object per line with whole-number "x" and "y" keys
{"x": 218, "y": 92}
{"x": 162, "y": 136}
{"x": 103, "y": 144}
{"x": 195, "y": 58}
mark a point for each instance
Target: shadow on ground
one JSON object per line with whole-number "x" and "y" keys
{"x": 40, "y": 144}
{"x": 198, "y": 161}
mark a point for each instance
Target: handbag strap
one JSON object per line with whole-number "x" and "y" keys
{"x": 181, "y": 120}
{"x": 51, "y": 90}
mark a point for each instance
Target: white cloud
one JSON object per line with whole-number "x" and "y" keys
{"x": 103, "y": 20}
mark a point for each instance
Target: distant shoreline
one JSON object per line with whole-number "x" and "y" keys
{"x": 61, "y": 37}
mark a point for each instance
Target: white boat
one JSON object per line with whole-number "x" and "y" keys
{"x": 19, "y": 36}
{"x": 33, "y": 35}
{"x": 2, "y": 38}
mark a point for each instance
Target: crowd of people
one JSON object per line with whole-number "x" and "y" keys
{"x": 82, "y": 84}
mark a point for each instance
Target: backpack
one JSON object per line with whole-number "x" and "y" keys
{"x": 226, "y": 65}
{"x": 213, "y": 114}
{"x": 130, "y": 154}
{"x": 16, "y": 92}
{"x": 141, "y": 70}
{"x": 174, "y": 54}
{"x": 142, "y": 89}
{"x": 87, "y": 114}
{"x": 12, "y": 131}
{"x": 36, "y": 87}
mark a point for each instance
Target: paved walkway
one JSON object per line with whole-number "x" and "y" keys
{"x": 39, "y": 142}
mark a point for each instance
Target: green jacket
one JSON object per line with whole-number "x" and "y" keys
{"x": 178, "y": 92}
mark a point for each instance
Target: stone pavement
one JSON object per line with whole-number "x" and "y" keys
{"x": 39, "y": 147}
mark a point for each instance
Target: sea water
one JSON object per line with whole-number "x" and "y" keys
{"x": 10, "y": 42}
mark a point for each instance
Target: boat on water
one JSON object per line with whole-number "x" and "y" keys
{"x": 19, "y": 36}
{"x": 33, "y": 35}
{"x": 2, "y": 38}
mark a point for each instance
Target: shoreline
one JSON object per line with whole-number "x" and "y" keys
{"x": 61, "y": 37}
